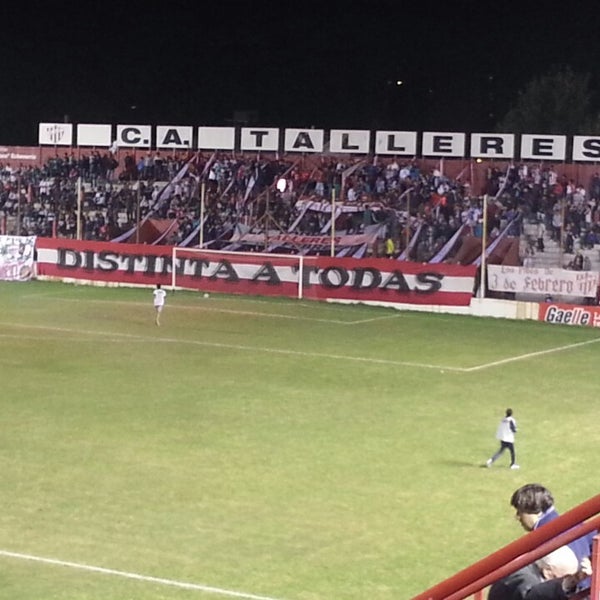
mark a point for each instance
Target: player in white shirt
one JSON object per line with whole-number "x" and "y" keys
{"x": 159, "y": 301}
{"x": 506, "y": 435}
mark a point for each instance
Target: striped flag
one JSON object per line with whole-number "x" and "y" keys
{"x": 166, "y": 193}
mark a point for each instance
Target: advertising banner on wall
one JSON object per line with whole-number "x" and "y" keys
{"x": 17, "y": 257}
{"x": 569, "y": 314}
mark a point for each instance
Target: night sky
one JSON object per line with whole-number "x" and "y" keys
{"x": 325, "y": 64}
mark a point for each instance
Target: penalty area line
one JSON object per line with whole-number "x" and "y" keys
{"x": 121, "y": 337}
{"x": 136, "y": 576}
{"x": 204, "y": 306}
{"x": 519, "y": 357}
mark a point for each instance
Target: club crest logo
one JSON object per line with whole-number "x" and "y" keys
{"x": 55, "y": 133}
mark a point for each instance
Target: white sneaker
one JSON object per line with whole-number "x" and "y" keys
{"x": 488, "y": 462}
{"x": 515, "y": 467}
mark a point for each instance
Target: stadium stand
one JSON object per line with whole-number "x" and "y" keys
{"x": 430, "y": 214}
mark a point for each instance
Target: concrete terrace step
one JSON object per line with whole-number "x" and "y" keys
{"x": 551, "y": 257}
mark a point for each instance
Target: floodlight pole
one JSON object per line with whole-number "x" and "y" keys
{"x": 266, "y": 218}
{"x": 407, "y": 224}
{"x": 333, "y": 221}
{"x": 202, "y": 192}
{"x": 137, "y": 214}
{"x": 561, "y": 248}
{"x": 483, "y": 246}
{"x": 79, "y": 187}
{"x": 18, "y": 229}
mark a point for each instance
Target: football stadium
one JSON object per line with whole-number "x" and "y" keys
{"x": 314, "y": 415}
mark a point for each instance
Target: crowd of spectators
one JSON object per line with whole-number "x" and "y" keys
{"x": 114, "y": 193}
{"x": 565, "y": 211}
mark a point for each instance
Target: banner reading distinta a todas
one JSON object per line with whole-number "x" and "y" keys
{"x": 321, "y": 277}
{"x": 17, "y": 253}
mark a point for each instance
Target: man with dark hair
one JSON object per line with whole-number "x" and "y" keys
{"x": 534, "y": 506}
{"x": 506, "y": 435}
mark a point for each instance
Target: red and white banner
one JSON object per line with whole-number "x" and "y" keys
{"x": 375, "y": 280}
{"x": 341, "y": 207}
{"x": 554, "y": 282}
{"x": 298, "y": 240}
{"x": 570, "y": 314}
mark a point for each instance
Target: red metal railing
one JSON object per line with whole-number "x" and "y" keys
{"x": 471, "y": 581}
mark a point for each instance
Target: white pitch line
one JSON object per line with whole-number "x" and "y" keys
{"x": 231, "y": 311}
{"x": 505, "y": 361}
{"x": 126, "y": 574}
{"x": 360, "y": 321}
{"x": 117, "y": 337}
{"x": 91, "y": 340}
{"x": 284, "y": 351}
{"x": 279, "y": 316}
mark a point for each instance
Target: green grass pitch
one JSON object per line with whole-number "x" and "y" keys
{"x": 277, "y": 449}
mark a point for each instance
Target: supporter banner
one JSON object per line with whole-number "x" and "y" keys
{"x": 554, "y": 282}
{"x": 384, "y": 280}
{"x": 342, "y": 207}
{"x": 377, "y": 280}
{"x": 291, "y": 240}
{"x": 16, "y": 257}
{"x": 569, "y": 314}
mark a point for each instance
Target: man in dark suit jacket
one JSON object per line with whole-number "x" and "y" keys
{"x": 516, "y": 585}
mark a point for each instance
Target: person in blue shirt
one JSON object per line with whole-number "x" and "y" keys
{"x": 534, "y": 506}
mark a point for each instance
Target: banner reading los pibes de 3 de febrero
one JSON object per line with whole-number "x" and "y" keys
{"x": 554, "y": 282}
{"x": 17, "y": 253}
